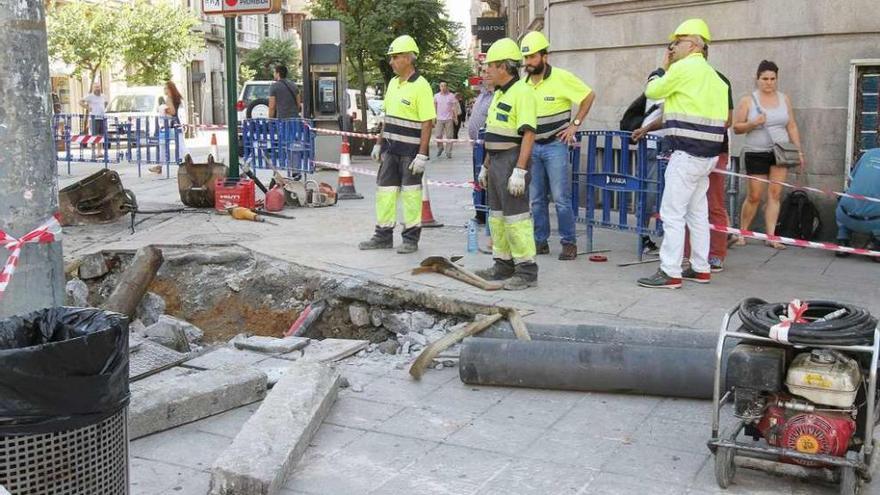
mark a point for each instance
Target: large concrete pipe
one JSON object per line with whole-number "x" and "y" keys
{"x": 667, "y": 370}
{"x": 606, "y": 334}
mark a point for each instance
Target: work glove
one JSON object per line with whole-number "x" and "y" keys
{"x": 483, "y": 178}
{"x": 516, "y": 184}
{"x": 376, "y": 154}
{"x": 418, "y": 164}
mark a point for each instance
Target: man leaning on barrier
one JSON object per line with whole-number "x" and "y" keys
{"x": 403, "y": 150}
{"x": 695, "y": 114}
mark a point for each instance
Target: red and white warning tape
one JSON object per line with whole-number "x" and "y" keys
{"x": 794, "y": 314}
{"x": 47, "y": 233}
{"x": 207, "y": 127}
{"x": 826, "y": 246}
{"x": 794, "y": 186}
{"x": 86, "y": 139}
{"x": 376, "y": 136}
{"x": 374, "y": 173}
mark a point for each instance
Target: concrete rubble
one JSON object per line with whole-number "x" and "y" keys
{"x": 93, "y": 266}
{"x": 273, "y": 440}
{"x": 77, "y": 293}
{"x": 173, "y": 333}
{"x": 151, "y": 307}
{"x": 270, "y": 345}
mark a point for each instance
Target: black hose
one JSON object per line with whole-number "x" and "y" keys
{"x": 854, "y": 327}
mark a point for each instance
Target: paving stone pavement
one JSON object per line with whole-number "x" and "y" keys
{"x": 441, "y": 436}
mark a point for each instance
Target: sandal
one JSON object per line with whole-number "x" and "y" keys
{"x": 775, "y": 245}
{"x": 739, "y": 241}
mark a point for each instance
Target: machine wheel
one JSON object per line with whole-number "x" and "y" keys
{"x": 725, "y": 469}
{"x": 850, "y": 481}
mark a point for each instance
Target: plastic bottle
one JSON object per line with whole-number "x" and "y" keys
{"x": 472, "y": 246}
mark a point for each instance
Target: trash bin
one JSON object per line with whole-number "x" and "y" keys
{"x": 63, "y": 402}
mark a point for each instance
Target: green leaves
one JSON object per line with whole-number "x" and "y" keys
{"x": 146, "y": 37}
{"x": 271, "y": 52}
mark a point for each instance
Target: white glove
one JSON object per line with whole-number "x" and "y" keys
{"x": 483, "y": 178}
{"x": 418, "y": 164}
{"x": 516, "y": 184}
{"x": 376, "y": 153}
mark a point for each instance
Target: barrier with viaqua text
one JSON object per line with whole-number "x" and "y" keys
{"x": 283, "y": 144}
{"x": 617, "y": 184}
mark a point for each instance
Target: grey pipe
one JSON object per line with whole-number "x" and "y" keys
{"x": 665, "y": 370}
{"x": 603, "y": 334}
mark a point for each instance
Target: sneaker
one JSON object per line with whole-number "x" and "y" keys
{"x": 648, "y": 246}
{"x": 376, "y": 243}
{"x": 407, "y": 248}
{"x": 498, "y": 271}
{"x": 695, "y": 276}
{"x": 542, "y": 247}
{"x": 716, "y": 264}
{"x": 569, "y": 252}
{"x": 660, "y": 280}
{"x": 844, "y": 243}
{"x": 519, "y": 282}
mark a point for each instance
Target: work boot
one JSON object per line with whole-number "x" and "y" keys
{"x": 542, "y": 247}
{"x": 525, "y": 276}
{"x": 376, "y": 242}
{"x": 407, "y": 247}
{"x": 844, "y": 243}
{"x": 569, "y": 252}
{"x": 501, "y": 270}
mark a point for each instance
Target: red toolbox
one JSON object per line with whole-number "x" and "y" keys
{"x": 234, "y": 192}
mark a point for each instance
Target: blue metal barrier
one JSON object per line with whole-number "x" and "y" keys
{"x": 287, "y": 144}
{"x": 615, "y": 182}
{"x": 156, "y": 139}
{"x": 479, "y": 156}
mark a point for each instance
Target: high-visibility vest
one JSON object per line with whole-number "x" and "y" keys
{"x": 512, "y": 112}
{"x": 556, "y": 93}
{"x": 407, "y": 104}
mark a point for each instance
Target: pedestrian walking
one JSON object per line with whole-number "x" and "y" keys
{"x": 766, "y": 117}
{"x": 284, "y": 97}
{"x": 460, "y": 115}
{"x": 479, "y": 111}
{"x": 510, "y": 135}
{"x": 446, "y": 107}
{"x": 95, "y": 106}
{"x": 403, "y": 149}
{"x": 695, "y": 114}
{"x": 556, "y": 91}
{"x": 173, "y": 102}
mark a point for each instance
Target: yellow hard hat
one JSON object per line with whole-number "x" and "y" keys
{"x": 403, "y": 44}
{"x": 692, "y": 27}
{"x": 504, "y": 49}
{"x": 533, "y": 42}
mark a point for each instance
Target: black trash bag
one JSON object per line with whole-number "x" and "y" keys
{"x": 62, "y": 368}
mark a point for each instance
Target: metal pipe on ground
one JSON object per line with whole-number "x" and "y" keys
{"x": 663, "y": 362}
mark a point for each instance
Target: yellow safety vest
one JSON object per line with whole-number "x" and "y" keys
{"x": 555, "y": 96}
{"x": 513, "y": 111}
{"x": 407, "y": 104}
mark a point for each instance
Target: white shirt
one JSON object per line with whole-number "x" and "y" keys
{"x": 95, "y": 103}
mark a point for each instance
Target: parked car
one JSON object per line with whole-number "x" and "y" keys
{"x": 353, "y": 111}
{"x": 132, "y": 103}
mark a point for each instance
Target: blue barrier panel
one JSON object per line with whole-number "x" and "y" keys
{"x": 287, "y": 144}
{"x": 90, "y": 139}
{"x": 616, "y": 181}
{"x": 479, "y": 156}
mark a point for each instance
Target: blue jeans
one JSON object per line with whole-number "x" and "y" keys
{"x": 551, "y": 173}
{"x": 846, "y": 225}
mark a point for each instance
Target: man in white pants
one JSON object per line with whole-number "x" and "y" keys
{"x": 695, "y": 114}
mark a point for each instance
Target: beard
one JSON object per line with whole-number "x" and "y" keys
{"x": 537, "y": 69}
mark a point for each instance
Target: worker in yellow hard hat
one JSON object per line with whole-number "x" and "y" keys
{"x": 510, "y": 135}
{"x": 557, "y": 91}
{"x": 695, "y": 115}
{"x": 402, "y": 149}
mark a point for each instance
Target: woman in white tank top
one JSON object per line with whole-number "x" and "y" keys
{"x": 765, "y": 117}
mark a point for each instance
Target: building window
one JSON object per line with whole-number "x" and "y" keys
{"x": 239, "y": 23}
{"x": 265, "y": 26}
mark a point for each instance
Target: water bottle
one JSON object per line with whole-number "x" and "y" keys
{"x": 472, "y": 246}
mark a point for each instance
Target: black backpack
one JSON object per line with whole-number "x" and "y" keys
{"x": 635, "y": 113}
{"x": 798, "y": 217}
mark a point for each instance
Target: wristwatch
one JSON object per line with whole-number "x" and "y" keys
{"x": 576, "y": 122}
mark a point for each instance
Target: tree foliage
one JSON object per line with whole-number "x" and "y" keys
{"x": 270, "y": 53}
{"x": 84, "y": 36}
{"x": 371, "y": 25}
{"x": 146, "y": 37}
{"x": 154, "y": 36}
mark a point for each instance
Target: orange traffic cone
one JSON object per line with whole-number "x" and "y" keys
{"x": 427, "y": 216}
{"x": 345, "y": 185}
{"x": 215, "y": 150}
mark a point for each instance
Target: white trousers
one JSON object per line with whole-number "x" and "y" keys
{"x": 684, "y": 204}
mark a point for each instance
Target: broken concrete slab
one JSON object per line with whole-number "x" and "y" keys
{"x": 77, "y": 293}
{"x": 225, "y": 356}
{"x": 93, "y": 266}
{"x": 359, "y": 314}
{"x": 273, "y": 440}
{"x": 274, "y": 369}
{"x": 178, "y": 396}
{"x": 146, "y": 357}
{"x": 150, "y": 309}
{"x": 169, "y": 332}
{"x": 328, "y": 350}
{"x": 270, "y": 345}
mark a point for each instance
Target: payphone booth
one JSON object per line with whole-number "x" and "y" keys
{"x": 324, "y": 83}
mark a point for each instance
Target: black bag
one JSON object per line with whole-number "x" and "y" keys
{"x": 62, "y": 368}
{"x": 798, "y": 217}
{"x": 635, "y": 114}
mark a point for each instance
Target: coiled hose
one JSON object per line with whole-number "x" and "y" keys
{"x": 855, "y": 326}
